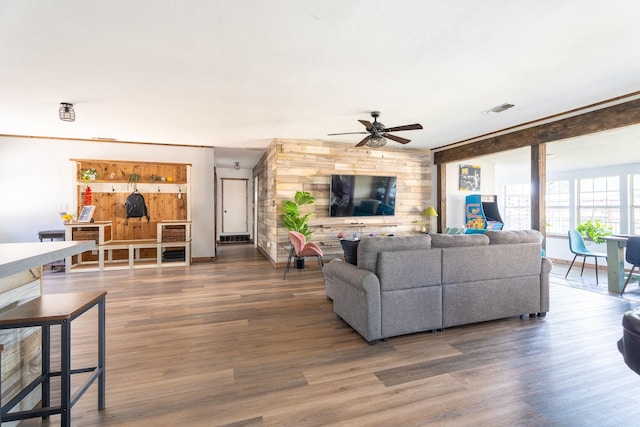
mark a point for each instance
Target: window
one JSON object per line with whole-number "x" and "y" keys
{"x": 517, "y": 207}
{"x": 558, "y": 211}
{"x": 599, "y": 198}
{"x": 635, "y": 204}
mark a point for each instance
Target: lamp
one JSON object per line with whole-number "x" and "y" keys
{"x": 429, "y": 212}
{"x": 67, "y": 114}
{"x": 376, "y": 142}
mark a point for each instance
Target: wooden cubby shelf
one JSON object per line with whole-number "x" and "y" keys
{"x": 172, "y": 237}
{"x": 162, "y": 239}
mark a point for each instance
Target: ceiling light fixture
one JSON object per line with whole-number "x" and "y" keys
{"x": 67, "y": 114}
{"x": 236, "y": 165}
{"x": 498, "y": 109}
{"x": 376, "y": 142}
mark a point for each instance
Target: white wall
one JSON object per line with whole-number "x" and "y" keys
{"x": 239, "y": 174}
{"x": 38, "y": 177}
{"x": 456, "y": 198}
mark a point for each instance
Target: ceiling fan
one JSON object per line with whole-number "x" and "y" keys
{"x": 377, "y": 132}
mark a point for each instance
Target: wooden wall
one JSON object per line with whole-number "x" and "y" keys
{"x": 292, "y": 165}
{"x": 165, "y": 200}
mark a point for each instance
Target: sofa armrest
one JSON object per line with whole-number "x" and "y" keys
{"x": 545, "y": 270}
{"x": 339, "y": 273}
{"x": 356, "y": 297}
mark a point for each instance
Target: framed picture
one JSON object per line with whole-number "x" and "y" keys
{"x": 469, "y": 178}
{"x": 86, "y": 214}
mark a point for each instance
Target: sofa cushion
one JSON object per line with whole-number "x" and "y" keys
{"x": 350, "y": 248}
{"x": 455, "y": 240}
{"x": 414, "y": 268}
{"x": 370, "y": 247}
{"x": 514, "y": 236}
{"x": 474, "y": 264}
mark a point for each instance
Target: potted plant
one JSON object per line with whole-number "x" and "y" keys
{"x": 594, "y": 230}
{"x": 293, "y": 220}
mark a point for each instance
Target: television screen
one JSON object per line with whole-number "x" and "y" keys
{"x": 362, "y": 195}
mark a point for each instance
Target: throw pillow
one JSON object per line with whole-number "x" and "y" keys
{"x": 350, "y": 248}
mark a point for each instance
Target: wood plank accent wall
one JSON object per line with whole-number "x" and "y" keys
{"x": 291, "y": 165}
{"x": 267, "y": 220}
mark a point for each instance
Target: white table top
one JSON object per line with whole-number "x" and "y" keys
{"x": 17, "y": 257}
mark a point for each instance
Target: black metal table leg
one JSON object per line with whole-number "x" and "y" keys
{"x": 46, "y": 367}
{"x": 101, "y": 354}
{"x": 65, "y": 373}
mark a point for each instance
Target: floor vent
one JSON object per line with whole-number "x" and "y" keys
{"x": 235, "y": 238}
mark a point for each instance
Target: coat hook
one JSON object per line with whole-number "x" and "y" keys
{"x": 113, "y": 188}
{"x": 158, "y": 188}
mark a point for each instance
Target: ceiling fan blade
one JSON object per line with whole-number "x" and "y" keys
{"x": 367, "y": 124}
{"x": 396, "y": 138}
{"x": 405, "y": 127}
{"x": 347, "y": 133}
{"x": 364, "y": 141}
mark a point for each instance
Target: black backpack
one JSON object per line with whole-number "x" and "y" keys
{"x": 135, "y": 207}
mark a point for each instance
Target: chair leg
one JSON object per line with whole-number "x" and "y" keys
{"x": 320, "y": 262}
{"x": 628, "y": 279}
{"x": 584, "y": 259}
{"x": 596, "y": 258}
{"x": 574, "y": 260}
{"x": 286, "y": 269}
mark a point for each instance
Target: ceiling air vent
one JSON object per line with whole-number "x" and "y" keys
{"x": 498, "y": 109}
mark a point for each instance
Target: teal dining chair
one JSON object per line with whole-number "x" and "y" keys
{"x": 579, "y": 248}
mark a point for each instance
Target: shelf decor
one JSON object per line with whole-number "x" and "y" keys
{"x": 89, "y": 175}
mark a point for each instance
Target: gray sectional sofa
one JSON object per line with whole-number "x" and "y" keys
{"x": 403, "y": 285}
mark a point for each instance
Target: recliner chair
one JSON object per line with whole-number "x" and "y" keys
{"x": 629, "y": 344}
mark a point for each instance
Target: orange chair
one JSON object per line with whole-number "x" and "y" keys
{"x": 300, "y": 249}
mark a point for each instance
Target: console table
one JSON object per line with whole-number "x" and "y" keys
{"x": 45, "y": 311}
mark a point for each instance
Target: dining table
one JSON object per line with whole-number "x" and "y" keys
{"x": 615, "y": 261}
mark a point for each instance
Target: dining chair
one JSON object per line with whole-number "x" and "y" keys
{"x": 300, "y": 248}
{"x": 579, "y": 248}
{"x": 632, "y": 256}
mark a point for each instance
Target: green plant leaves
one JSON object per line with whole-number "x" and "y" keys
{"x": 292, "y": 219}
{"x": 594, "y": 230}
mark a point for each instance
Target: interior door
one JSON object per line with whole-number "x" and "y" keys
{"x": 234, "y": 206}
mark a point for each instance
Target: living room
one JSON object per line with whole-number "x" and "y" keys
{"x": 226, "y": 340}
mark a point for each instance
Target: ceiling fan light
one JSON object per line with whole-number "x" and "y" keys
{"x": 66, "y": 112}
{"x": 376, "y": 142}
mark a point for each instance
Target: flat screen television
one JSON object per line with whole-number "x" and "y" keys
{"x": 362, "y": 195}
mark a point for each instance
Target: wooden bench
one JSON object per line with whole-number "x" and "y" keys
{"x": 169, "y": 229}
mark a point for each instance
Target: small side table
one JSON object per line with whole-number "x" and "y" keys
{"x": 53, "y": 235}
{"x": 45, "y": 311}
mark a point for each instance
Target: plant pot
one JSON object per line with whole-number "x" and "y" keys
{"x": 299, "y": 263}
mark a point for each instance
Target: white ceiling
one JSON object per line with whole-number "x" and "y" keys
{"x": 236, "y": 74}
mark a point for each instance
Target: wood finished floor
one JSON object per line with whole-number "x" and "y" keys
{"x": 229, "y": 343}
